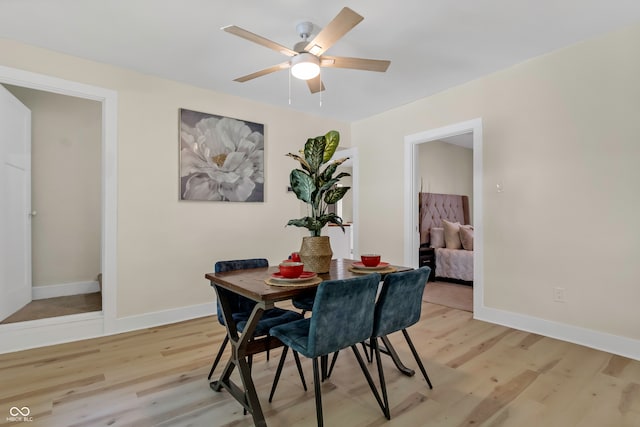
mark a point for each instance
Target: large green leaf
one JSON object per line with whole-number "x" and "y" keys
{"x": 331, "y": 218}
{"x": 302, "y": 161}
{"x": 331, "y": 168}
{"x": 335, "y": 194}
{"x": 302, "y": 185}
{"x": 314, "y": 152}
{"x": 314, "y": 225}
{"x": 332, "y": 140}
{"x": 327, "y": 185}
{"x": 328, "y": 172}
{"x": 322, "y": 188}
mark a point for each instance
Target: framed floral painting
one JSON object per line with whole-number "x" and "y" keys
{"x": 221, "y": 158}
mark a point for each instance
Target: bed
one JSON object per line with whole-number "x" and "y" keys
{"x": 444, "y": 227}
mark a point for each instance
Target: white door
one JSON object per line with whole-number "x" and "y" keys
{"x": 15, "y": 204}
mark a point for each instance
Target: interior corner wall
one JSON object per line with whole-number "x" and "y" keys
{"x": 446, "y": 169}
{"x": 66, "y": 186}
{"x": 166, "y": 246}
{"x": 560, "y": 132}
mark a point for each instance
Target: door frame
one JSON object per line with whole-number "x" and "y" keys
{"x": 352, "y": 154}
{"x": 42, "y": 332}
{"x": 411, "y": 187}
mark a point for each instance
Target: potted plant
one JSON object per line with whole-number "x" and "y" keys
{"x": 315, "y": 184}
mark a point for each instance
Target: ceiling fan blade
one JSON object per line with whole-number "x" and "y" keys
{"x": 315, "y": 84}
{"x": 355, "y": 63}
{"x": 264, "y": 72}
{"x": 338, "y": 27}
{"x": 248, "y": 35}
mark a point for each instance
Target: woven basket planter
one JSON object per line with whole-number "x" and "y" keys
{"x": 316, "y": 253}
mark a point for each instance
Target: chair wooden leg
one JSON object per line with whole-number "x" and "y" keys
{"x": 299, "y": 366}
{"x": 383, "y": 384}
{"x": 218, "y": 356}
{"x": 365, "y": 371}
{"x": 278, "y": 372}
{"x": 318, "y": 391}
{"x": 417, "y": 357}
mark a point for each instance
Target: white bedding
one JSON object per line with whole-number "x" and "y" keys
{"x": 454, "y": 264}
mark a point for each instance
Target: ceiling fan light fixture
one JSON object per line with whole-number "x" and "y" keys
{"x": 305, "y": 66}
{"x": 307, "y": 56}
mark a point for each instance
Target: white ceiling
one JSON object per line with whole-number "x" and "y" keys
{"x": 432, "y": 44}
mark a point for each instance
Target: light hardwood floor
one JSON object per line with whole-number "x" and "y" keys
{"x": 483, "y": 375}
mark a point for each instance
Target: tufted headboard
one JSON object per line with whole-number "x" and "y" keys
{"x": 433, "y": 208}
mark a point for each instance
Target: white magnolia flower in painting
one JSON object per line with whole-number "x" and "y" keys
{"x": 222, "y": 158}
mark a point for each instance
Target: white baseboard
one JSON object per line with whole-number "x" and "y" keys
{"x": 615, "y": 344}
{"x": 64, "y": 289}
{"x": 157, "y": 318}
{"x": 54, "y": 330}
{"x": 75, "y": 327}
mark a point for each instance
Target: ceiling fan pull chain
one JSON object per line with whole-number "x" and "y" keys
{"x": 289, "y": 86}
{"x": 320, "y": 86}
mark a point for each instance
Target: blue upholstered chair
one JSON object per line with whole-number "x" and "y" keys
{"x": 242, "y": 307}
{"x": 399, "y": 306}
{"x": 305, "y": 300}
{"x": 342, "y": 317}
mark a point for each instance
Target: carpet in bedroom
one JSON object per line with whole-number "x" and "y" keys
{"x": 449, "y": 294}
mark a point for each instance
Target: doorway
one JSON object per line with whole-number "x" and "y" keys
{"x": 412, "y": 187}
{"x": 65, "y": 211}
{"x": 36, "y": 333}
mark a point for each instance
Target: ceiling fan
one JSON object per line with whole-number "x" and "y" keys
{"x": 307, "y": 56}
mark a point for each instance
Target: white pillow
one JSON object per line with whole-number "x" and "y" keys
{"x": 466, "y": 237}
{"x": 437, "y": 237}
{"x": 452, "y": 234}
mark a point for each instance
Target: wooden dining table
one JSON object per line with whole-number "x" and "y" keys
{"x": 251, "y": 284}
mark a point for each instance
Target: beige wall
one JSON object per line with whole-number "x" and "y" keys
{"x": 66, "y": 177}
{"x": 560, "y": 132}
{"x": 446, "y": 169}
{"x": 165, "y": 246}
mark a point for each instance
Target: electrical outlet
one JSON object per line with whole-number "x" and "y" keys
{"x": 559, "y": 295}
